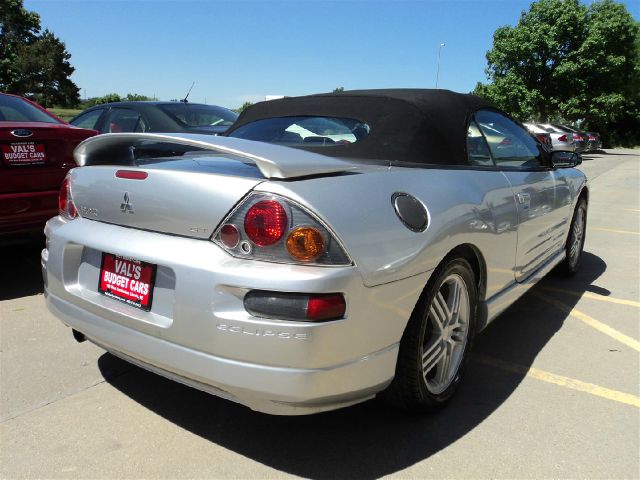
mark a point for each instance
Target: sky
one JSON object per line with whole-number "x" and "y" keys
{"x": 242, "y": 50}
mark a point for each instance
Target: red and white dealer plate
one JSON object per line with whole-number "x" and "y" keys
{"x": 128, "y": 280}
{"x": 24, "y": 153}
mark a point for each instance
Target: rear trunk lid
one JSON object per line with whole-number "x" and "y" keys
{"x": 187, "y": 196}
{"x": 191, "y": 182}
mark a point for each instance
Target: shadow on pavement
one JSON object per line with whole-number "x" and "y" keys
{"x": 367, "y": 440}
{"x": 21, "y": 262}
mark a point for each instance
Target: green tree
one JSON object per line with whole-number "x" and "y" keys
{"x": 43, "y": 72}
{"x": 244, "y": 106}
{"x": 18, "y": 27}
{"x": 34, "y": 64}
{"x": 338, "y": 90}
{"x": 136, "y": 97}
{"x": 108, "y": 98}
{"x": 566, "y": 60}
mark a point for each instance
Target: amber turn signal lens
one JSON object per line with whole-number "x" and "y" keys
{"x": 305, "y": 244}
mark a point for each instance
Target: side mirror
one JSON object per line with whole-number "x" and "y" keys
{"x": 560, "y": 159}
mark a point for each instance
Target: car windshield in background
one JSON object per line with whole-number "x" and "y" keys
{"x": 13, "y": 109}
{"x": 200, "y": 115}
{"x": 304, "y": 130}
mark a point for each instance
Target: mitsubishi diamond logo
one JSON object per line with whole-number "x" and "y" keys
{"x": 127, "y": 206}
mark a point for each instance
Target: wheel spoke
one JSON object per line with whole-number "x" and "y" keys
{"x": 432, "y": 356}
{"x": 439, "y": 311}
{"x": 458, "y": 335}
{"x": 443, "y": 365}
{"x": 454, "y": 303}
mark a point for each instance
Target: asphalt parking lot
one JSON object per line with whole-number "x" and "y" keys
{"x": 552, "y": 390}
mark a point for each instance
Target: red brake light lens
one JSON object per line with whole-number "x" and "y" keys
{"x": 562, "y": 138}
{"x": 132, "y": 174}
{"x": 326, "y": 307}
{"x": 66, "y": 208}
{"x": 229, "y": 235}
{"x": 266, "y": 222}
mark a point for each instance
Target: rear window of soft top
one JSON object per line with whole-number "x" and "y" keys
{"x": 304, "y": 131}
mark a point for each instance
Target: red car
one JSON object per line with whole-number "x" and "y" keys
{"x": 36, "y": 151}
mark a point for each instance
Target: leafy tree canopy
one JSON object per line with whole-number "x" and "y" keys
{"x": 33, "y": 64}
{"x": 17, "y": 27}
{"x": 567, "y": 60}
{"x": 242, "y": 108}
{"x": 114, "y": 97}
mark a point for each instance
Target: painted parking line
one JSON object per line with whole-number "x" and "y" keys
{"x": 593, "y": 296}
{"x": 560, "y": 380}
{"x": 611, "y": 230}
{"x": 592, "y": 322}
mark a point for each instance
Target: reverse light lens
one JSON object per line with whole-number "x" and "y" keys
{"x": 295, "y": 306}
{"x": 305, "y": 244}
{"x": 66, "y": 208}
{"x": 265, "y": 222}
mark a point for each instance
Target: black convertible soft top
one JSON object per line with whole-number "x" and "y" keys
{"x": 407, "y": 125}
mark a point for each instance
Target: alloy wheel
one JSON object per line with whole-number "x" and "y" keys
{"x": 577, "y": 234}
{"x": 446, "y": 334}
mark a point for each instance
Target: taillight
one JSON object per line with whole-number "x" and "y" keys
{"x": 295, "y": 306}
{"x": 592, "y": 138}
{"x": 265, "y": 223}
{"x": 275, "y": 229}
{"x": 66, "y": 208}
{"x": 562, "y": 138}
{"x": 305, "y": 244}
{"x": 325, "y": 307}
{"x": 541, "y": 138}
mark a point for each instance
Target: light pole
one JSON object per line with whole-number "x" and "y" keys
{"x": 438, "y": 67}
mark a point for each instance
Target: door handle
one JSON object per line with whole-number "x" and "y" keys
{"x": 523, "y": 198}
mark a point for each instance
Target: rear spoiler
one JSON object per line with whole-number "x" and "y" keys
{"x": 273, "y": 161}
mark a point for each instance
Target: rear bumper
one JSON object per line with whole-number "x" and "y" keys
{"x": 199, "y": 333}
{"x": 274, "y": 390}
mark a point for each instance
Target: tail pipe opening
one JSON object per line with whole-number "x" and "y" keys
{"x": 78, "y": 336}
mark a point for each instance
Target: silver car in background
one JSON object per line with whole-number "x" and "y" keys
{"x": 577, "y": 141}
{"x": 331, "y": 249}
{"x": 560, "y": 141}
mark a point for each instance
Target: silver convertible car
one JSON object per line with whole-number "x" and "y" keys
{"x": 330, "y": 249}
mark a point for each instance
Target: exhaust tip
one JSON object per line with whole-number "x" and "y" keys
{"x": 78, "y": 336}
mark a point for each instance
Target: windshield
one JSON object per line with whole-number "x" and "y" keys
{"x": 14, "y": 109}
{"x": 190, "y": 115}
{"x": 304, "y": 130}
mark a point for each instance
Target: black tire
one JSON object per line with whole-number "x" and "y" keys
{"x": 411, "y": 389}
{"x": 573, "y": 248}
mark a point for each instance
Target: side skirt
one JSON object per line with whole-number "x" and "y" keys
{"x": 494, "y": 306}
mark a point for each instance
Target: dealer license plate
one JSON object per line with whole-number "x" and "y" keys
{"x": 127, "y": 280}
{"x": 24, "y": 153}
